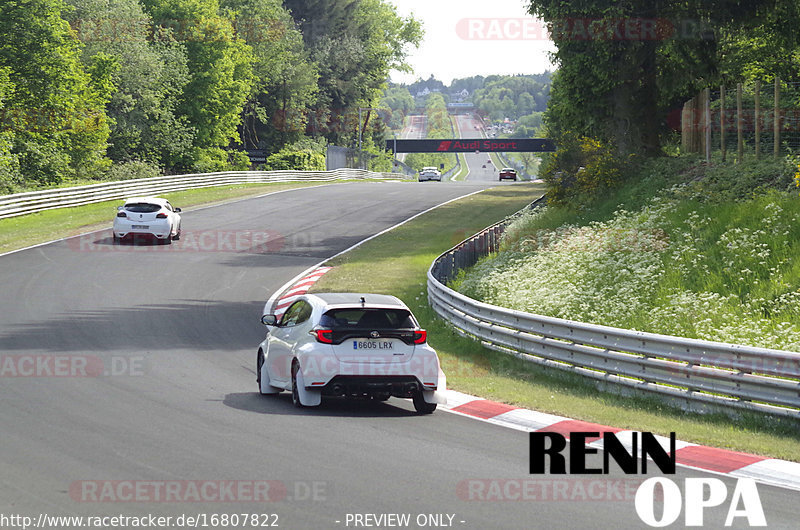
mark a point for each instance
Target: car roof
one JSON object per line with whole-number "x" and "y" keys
{"x": 338, "y": 300}
{"x": 151, "y": 200}
{"x": 508, "y": 169}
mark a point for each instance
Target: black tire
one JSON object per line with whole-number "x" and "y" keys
{"x": 295, "y": 393}
{"x": 177, "y": 234}
{"x": 422, "y": 406}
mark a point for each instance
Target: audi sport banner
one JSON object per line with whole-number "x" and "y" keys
{"x": 466, "y": 145}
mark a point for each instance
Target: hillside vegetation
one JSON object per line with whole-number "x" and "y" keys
{"x": 682, "y": 249}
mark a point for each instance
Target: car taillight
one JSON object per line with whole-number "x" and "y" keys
{"x": 324, "y": 336}
{"x": 420, "y": 336}
{"x": 121, "y": 214}
{"x": 161, "y": 216}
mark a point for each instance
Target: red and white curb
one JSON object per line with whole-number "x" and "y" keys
{"x": 770, "y": 471}
{"x": 299, "y": 288}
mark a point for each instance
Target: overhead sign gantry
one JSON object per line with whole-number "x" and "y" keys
{"x": 467, "y": 145}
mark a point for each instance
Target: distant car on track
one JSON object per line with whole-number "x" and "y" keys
{"x": 365, "y": 346}
{"x": 508, "y": 173}
{"x": 430, "y": 173}
{"x": 148, "y": 216}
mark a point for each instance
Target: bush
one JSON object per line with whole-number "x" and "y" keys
{"x": 133, "y": 169}
{"x": 215, "y": 159}
{"x": 582, "y": 170}
{"x": 42, "y": 163}
{"x": 10, "y": 177}
{"x": 297, "y": 160}
{"x": 382, "y": 161}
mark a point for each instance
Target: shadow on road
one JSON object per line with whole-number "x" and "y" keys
{"x": 281, "y": 404}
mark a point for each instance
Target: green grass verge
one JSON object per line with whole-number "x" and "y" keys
{"x": 464, "y": 169}
{"x": 26, "y": 230}
{"x": 397, "y": 262}
{"x": 532, "y": 171}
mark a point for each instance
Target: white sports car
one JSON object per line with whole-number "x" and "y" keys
{"x": 149, "y": 216}
{"x": 351, "y": 345}
{"x": 430, "y": 173}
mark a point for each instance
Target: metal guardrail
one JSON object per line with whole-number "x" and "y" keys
{"x": 37, "y": 201}
{"x": 695, "y": 372}
{"x": 448, "y": 175}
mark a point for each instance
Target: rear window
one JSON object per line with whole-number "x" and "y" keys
{"x": 142, "y": 207}
{"x": 367, "y": 318}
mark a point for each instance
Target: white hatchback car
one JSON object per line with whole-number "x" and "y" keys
{"x": 350, "y": 345}
{"x": 150, "y": 216}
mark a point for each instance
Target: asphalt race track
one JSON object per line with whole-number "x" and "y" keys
{"x": 481, "y": 167}
{"x": 143, "y": 397}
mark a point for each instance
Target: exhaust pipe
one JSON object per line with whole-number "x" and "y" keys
{"x": 411, "y": 388}
{"x": 338, "y": 389}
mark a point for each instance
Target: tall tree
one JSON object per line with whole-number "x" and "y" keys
{"x": 622, "y": 64}
{"x": 355, "y": 43}
{"x": 10, "y": 175}
{"x": 220, "y": 70}
{"x": 150, "y": 79}
{"x": 276, "y": 112}
{"x": 56, "y": 107}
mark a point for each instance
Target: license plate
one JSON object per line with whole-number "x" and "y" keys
{"x": 140, "y": 227}
{"x": 373, "y": 345}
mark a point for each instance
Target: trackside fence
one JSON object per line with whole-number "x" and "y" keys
{"x": 37, "y": 201}
{"x": 697, "y": 374}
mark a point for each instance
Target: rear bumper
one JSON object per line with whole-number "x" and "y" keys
{"x": 134, "y": 234}
{"x": 334, "y": 377}
{"x": 160, "y": 230}
{"x": 357, "y": 386}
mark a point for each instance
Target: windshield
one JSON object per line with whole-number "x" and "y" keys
{"x": 357, "y": 318}
{"x": 142, "y": 207}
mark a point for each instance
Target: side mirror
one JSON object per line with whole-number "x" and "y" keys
{"x": 269, "y": 320}
{"x": 119, "y": 208}
{"x": 177, "y": 209}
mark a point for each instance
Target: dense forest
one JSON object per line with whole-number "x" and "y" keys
{"x": 94, "y": 89}
{"x": 624, "y": 66}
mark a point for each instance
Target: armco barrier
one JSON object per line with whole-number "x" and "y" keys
{"x": 696, "y": 373}
{"x": 37, "y": 201}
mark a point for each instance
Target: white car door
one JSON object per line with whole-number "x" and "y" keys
{"x": 283, "y": 340}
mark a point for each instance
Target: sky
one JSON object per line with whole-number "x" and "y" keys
{"x": 474, "y": 37}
